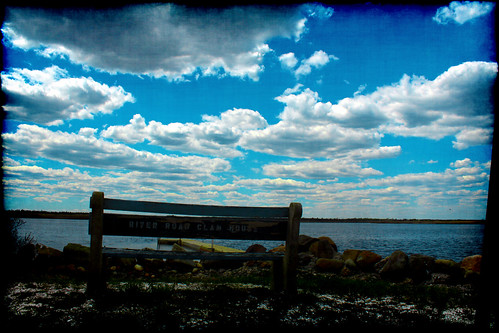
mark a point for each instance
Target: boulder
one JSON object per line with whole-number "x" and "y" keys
{"x": 256, "y": 248}
{"x": 77, "y": 254}
{"x": 346, "y": 271}
{"x": 420, "y": 267}
{"x": 47, "y": 256}
{"x": 446, "y": 266}
{"x": 330, "y": 241}
{"x": 280, "y": 248}
{"x": 329, "y": 265}
{"x": 366, "y": 260}
{"x": 472, "y": 263}
{"x": 396, "y": 267}
{"x": 350, "y": 254}
{"x": 349, "y": 263}
{"x": 121, "y": 263}
{"x": 304, "y": 258}
{"x": 304, "y": 242}
{"x": 42, "y": 250}
{"x": 322, "y": 249}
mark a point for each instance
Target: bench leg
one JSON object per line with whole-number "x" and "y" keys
{"x": 277, "y": 275}
{"x": 96, "y": 282}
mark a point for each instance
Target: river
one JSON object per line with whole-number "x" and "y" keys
{"x": 442, "y": 241}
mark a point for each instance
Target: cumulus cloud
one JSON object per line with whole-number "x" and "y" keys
{"x": 32, "y": 141}
{"x": 32, "y": 181}
{"x": 160, "y": 40}
{"x": 216, "y": 135}
{"x": 312, "y": 169}
{"x": 288, "y": 60}
{"x": 50, "y": 96}
{"x": 462, "y": 12}
{"x": 317, "y": 60}
{"x": 456, "y": 103}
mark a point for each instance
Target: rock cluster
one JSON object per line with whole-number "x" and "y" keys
{"x": 315, "y": 254}
{"x": 323, "y": 256}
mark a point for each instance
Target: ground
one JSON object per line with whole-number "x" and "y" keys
{"x": 231, "y": 299}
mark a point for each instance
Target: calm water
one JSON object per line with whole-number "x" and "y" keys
{"x": 454, "y": 241}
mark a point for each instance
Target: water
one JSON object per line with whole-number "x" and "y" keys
{"x": 444, "y": 241}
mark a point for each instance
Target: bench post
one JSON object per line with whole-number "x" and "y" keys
{"x": 291, "y": 256}
{"x": 95, "y": 279}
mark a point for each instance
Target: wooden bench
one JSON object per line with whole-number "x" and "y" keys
{"x": 194, "y": 221}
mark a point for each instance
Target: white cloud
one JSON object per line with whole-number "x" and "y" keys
{"x": 32, "y": 141}
{"x": 456, "y": 103}
{"x": 161, "y": 40}
{"x": 318, "y": 11}
{"x": 216, "y": 135}
{"x": 317, "y": 60}
{"x": 462, "y": 187}
{"x": 288, "y": 60}
{"x": 50, "y": 96}
{"x": 313, "y": 169}
{"x": 462, "y": 12}
{"x": 461, "y": 163}
{"x": 472, "y": 137}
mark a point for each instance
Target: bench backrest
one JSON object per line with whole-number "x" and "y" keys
{"x": 196, "y": 221}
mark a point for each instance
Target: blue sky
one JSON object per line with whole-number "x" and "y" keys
{"x": 352, "y": 110}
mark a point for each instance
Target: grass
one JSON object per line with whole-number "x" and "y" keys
{"x": 238, "y": 302}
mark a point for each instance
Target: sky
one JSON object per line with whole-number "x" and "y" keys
{"x": 352, "y": 110}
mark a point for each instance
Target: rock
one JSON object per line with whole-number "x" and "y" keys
{"x": 77, "y": 254}
{"x": 329, "y": 265}
{"x": 119, "y": 262}
{"x": 446, "y": 266}
{"x": 367, "y": 259}
{"x": 152, "y": 265}
{"x": 379, "y": 265}
{"x": 304, "y": 258}
{"x": 48, "y": 256}
{"x": 322, "y": 249}
{"x": 396, "y": 267}
{"x": 256, "y": 248}
{"x": 350, "y": 264}
{"x": 280, "y": 248}
{"x": 42, "y": 250}
{"x": 330, "y": 241}
{"x": 345, "y": 271}
{"x": 304, "y": 242}
{"x": 472, "y": 263}
{"x": 420, "y": 267}
{"x": 350, "y": 254}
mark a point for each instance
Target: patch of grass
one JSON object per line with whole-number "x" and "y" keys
{"x": 438, "y": 296}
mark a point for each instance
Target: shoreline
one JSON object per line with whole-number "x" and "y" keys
{"x": 85, "y": 216}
